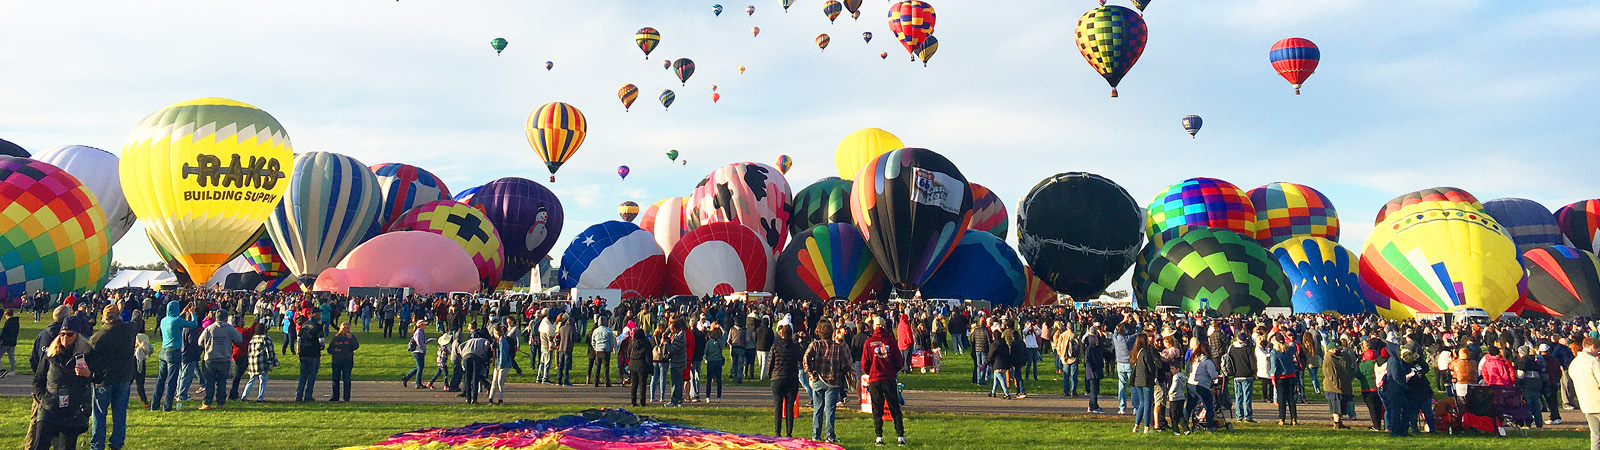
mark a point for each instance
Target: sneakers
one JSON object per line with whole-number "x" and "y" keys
{"x": 1122, "y": 412}
{"x": 902, "y": 441}
{"x": 205, "y": 407}
{"x": 878, "y": 442}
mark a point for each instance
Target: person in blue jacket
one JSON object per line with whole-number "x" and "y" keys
{"x": 171, "y": 359}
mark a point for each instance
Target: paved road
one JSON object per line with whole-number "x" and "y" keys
{"x": 735, "y": 396}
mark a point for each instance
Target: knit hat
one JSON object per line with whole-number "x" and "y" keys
{"x": 76, "y": 324}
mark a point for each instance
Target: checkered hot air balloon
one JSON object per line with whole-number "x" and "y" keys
{"x": 1212, "y": 268}
{"x": 1206, "y": 202}
{"x": 1111, "y": 38}
{"x": 54, "y": 236}
{"x": 647, "y": 38}
{"x": 1288, "y": 210}
{"x": 555, "y": 131}
{"x": 911, "y": 21}
{"x": 467, "y": 226}
{"x": 1295, "y": 59}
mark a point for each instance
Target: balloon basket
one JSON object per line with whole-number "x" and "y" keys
{"x": 1113, "y": 92}
{"x": 552, "y": 178}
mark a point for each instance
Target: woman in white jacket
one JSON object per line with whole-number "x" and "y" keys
{"x": 1203, "y": 376}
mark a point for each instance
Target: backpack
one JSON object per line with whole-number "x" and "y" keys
{"x": 659, "y": 352}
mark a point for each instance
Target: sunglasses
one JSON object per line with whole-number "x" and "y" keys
{"x": 69, "y": 334}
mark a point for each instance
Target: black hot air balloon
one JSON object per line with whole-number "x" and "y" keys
{"x": 1564, "y": 280}
{"x": 1080, "y": 232}
{"x": 911, "y": 204}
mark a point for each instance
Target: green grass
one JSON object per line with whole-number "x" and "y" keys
{"x": 322, "y": 425}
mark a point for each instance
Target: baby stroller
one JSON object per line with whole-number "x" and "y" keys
{"x": 1495, "y": 408}
{"x": 1223, "y": 409}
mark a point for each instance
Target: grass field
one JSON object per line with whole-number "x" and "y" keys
{"x": 323, "y": 425}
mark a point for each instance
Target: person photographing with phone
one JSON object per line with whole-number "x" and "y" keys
{"x": 61, "y": 386}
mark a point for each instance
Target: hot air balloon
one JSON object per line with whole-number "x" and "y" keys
{"x": 1192, "y": 124}
{"x": 883, "y": 55}
{"x": 715, "y": 97}
{"x": 628, "y": 93}
{"x": 910, "y": 204}
{"x": 265, "y": 259}
{"x": 1287, "y": 210}
{"x": 750, "y": 10}
{"x": 822, "y": 41}
{"x": 628, "y": 211}
{"x": 622, "y": 172}
{"x": 466, "y": 196}
{"x": 1213, "y": 268}
{"x": 719, "y": 259}
{"x": 1564, "y": 280}
{"x": 332, "y": 206}
{"x": 468, "y": 227}
{"x": 716, "y": 10}
{"x": 927, "y": 49}
{"x": 666, "y": 98}
{"x": 1580, "y": 223}
{"x": 615, "y": 255}
{"x": 1141, "y": 263}
{"x": 988, "y": 212}
{"x": 1530, "y": 224}
{"x": 1036, "y": 293}
{"x": 555, "y": 131}
{"x": 823, "y": 202}
{"x": 713, "y": 88}
{"x": 1111, "y": 38}
{"x": 499, "y": 45}
{"x": 911, "y": 21}
{"x": 672, "y": 155}
{"x": 787, "y": 4}
{"x": 528, "y": 217}
{"x": 1324, "y": 275}
{"x": 1140, "y": 4}
{"x": 1204, "y": 202}
{"x": 404, "y": 187}
{"x": 204, "y": 175}
{"x": 665, "y": 220}
{"x": 755, "y": 31}
{"x": 830, "y": 262}
{"x": 684, "y": 68}
{"x": 1079, "y": 232}
{"x": 832, "y": 8}
{"x": 866, "y": 36}
{"x": 1434, "y": 257}
{"x": 55, "y": 237}
{"x": 854, "y": 6}
{"x": 666, "y": 64}
{"x": 783, "y": 163}
{"x": 548, "y": 65}
{"x": 861, "y": 146}
{"x": 751, "y": 194}
{"x": 1433, "y": 195}
{"x": 9, "y": 149}
{"x": 741, "y": 70}
{"x": 98, "y": 170}
{"x": 1295, "y": 59}
{"x": 647, "y": 38}
{"x": 982, "y": 267}
{"x": 425, "y": 262}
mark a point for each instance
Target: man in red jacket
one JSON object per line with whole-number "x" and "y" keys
{"x": 881, "y": 362}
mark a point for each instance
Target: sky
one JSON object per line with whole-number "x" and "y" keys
{"x": 1493, "y": 97}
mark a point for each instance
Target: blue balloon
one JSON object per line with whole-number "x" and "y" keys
{"x": 615, "y": 255}
{"x": 466, "y": 196}
{"x": 981, "y": 267}
{"x": 1324, "y": 275}
{"x": 1531, "y": 224}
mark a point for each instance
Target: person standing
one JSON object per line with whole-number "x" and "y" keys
{"x": 217, "y": 342}
{"x": 881, "y": 363}
{"x": 980, "y": 352}
{"x": 341, "y": 356}
{"x": 112, "y": 368}
{"x": 567, "y": 338}
{"x": 241, "y": 353}
{"x": 505, "y": 357}
{"x": 602, "y": 342}
{"x": 1000, "y": 360}
{"x": 1144, "y": 365}
{"x": 715, "y": 341}
{"x": 1285, "y": 379}
{"x": 1239, "y": 365}
{"x": 309, "y": 347}
{"x": 171, "y": 359}
{"x": 1122, "y": 343}
{"x": 263, "y": 358}
{"x": 737, "y": 342}
{"x": 475, "y": 356}
{"x": 1337, "y": 374}
{"x": 639, "y": 366}
{"x": 1068, "y": 351}
{"x": 61, "y": 389}
{"x": 8, "y": 340}
{"x": 1585, "y": 374}
{"x": 763, "y": 337}
{"x": 678, "y": 344}
{"x": 828, "y": 371}
{"x": 1094, "y": 365}
{"x": 783, "y": 360}
{"x": 442, "y": 358}
{"x": 418, "y": 348}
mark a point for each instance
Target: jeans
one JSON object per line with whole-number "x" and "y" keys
{"x": 1093, "y": 389}
{"x": 167, "y": 379}
{"x": 416, "y": 372}
{"x": 564, "y": 369}
{"x": 366, "y": 324}
{"x": 1141, "y": 397}
{"x": 602, "y": 366}
{"x": 978, "y": 361}
{"x": 546, "y": 359}
{"x": 658, "y": 382}
{"x": 341, "y": 379}
{"x": 1208, "y": 404}
{"x": 308, "y": 377}
{"x": 827, "y": 401}
{"x": 1032, "y": 369}
{"x": 1396, "y": 409}
{"x": 1000, "y": 382}
{"x": 676, "y": 375}
{"x": 1288, "y": 408}
{"x": 736, "y": 371}
{"x": 1242, "y": 388}
{"x": 761, "y": 364}
{"x": 1124, "y": 375}
{"x": 109, "y": 399}
{"x": 238, "y": 375}
{"x": 216, "y": 382}
{"x": 191, "y": 370}
{"x": 1020, "y": 376}
{"x": 10, "y": 353}
{"x": 497, "y": 387}
{"x": 260, "y": 382}
{"x": 1069, "y": 379}
{"x": 713, "y": 373}
{"x": 958, "y": 342}
{"x": 1316, "y": 382}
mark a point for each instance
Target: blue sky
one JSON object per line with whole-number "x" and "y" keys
{"x": 1496, "y": 98}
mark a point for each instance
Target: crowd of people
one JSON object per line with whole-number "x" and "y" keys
{"x": 1173, "y": 372}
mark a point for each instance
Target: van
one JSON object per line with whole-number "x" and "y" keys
{"x": 1468, "y": 314}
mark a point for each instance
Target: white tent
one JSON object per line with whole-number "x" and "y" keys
{"x": 149, "y": 279}
{"x": 238, "y": 265}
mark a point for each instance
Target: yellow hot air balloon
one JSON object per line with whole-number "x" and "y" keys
{"x": 861, "y": 146}
{"x": 203, "y": 175}
{"x": 1438, "y": 257}
{"x": 555, "y": 131}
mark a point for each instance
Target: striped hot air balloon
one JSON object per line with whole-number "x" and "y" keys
{"x": 927, "y": 49}
{"x": 627, "y": 93}
{"x": 404, "y": 187}
{"x": 332, "y": 206}
{"x": 822, "y": 41}
{"x": 628, "y": 211}
{"x": 828, "y": 262}
{"x": 555, "y": 131}
{"x": 1295, "y": 59}
{"x": 647, "y": 38}
{"x": 1580, "y": 223}
{"x": 832, "y": 8}
{"x": 911, "y": 21}
{"x": 667, "y": 97}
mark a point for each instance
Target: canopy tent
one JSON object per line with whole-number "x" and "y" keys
{"x": 148, "y": 279}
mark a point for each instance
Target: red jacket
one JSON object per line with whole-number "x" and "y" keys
{"x": 247, "y": 333}
{"x": 880, "y": 358}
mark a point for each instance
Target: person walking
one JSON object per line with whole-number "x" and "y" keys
{"x": 783, "y": 368}
{"x": 61, "y": 387}
{"x": 1585, "y": 374}
{"x": 1337, "y": 373}
{"x": 442, "y": 357}
{"x": 342, "y": 361}
{"x": 1143, "y": 366}
{"x": 309, "y": 347}
{"x": 715, "y": 341}
{"x": 639, "y": 366}
{"x": 828, "y": 370}
{"x": 602, "y": 342}
{"x": 1203, "y": 376}
{"x": 881, "y": 363}
{"x": 217, "y": 343}
{"x": 505, "y": 357}
{"x": 263, "y": 358}
{"x": 1285, "y": 379}
{"x": 171, "y": 357}
{"x": 417, "y": 347}
{"x": 1000, "y": 359}
{"x": 112, "y": 361}
{"x": 141, "y": 355}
